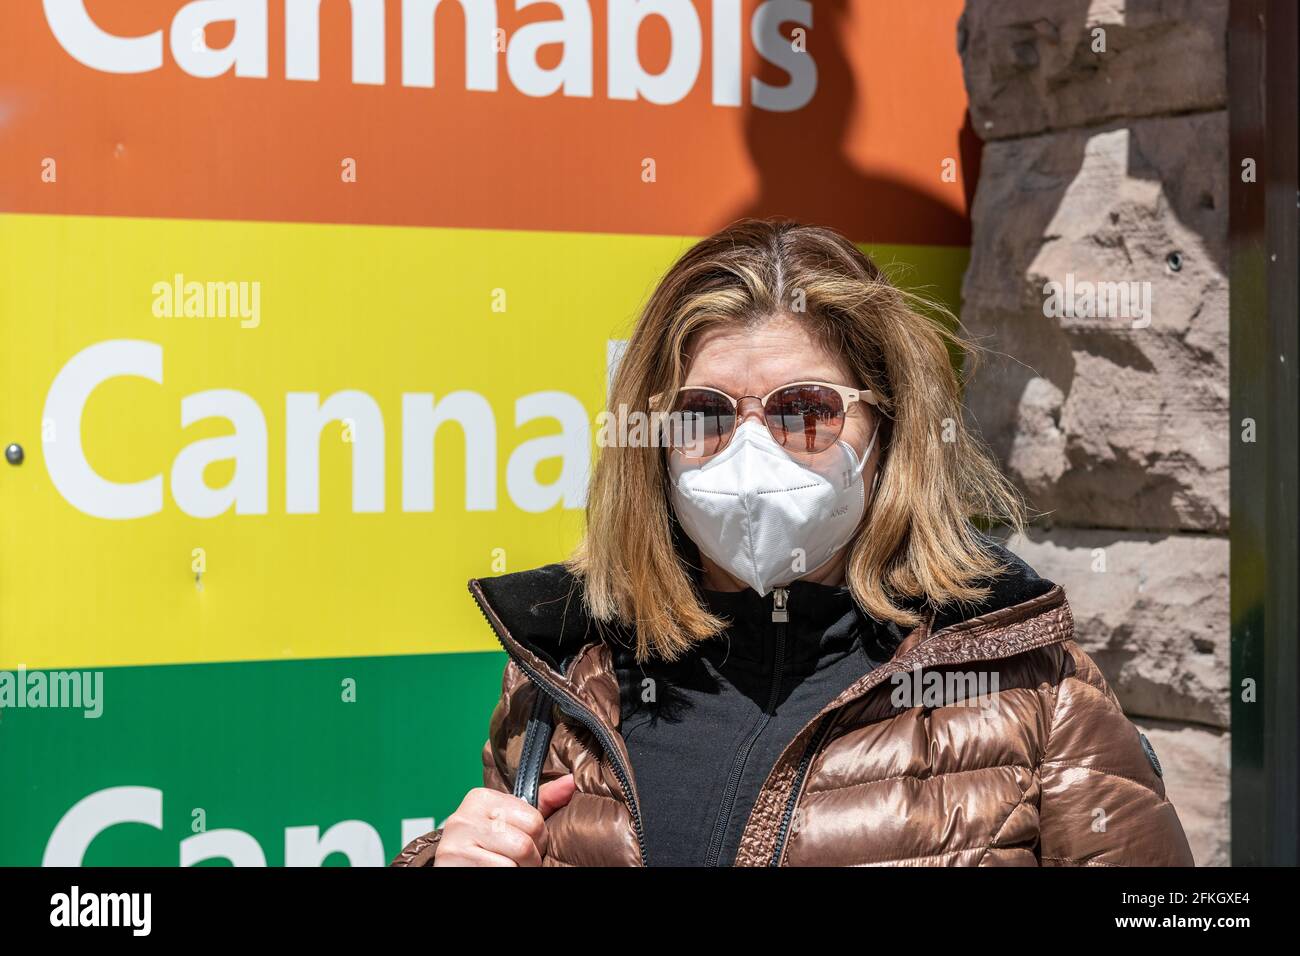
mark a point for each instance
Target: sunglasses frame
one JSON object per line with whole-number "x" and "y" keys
{"x": 848, "y": 396}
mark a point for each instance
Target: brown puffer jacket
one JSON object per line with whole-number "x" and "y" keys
{"x": 1045, "y": 770}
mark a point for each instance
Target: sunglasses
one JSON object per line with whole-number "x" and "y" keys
{"x": 802, "y": 416}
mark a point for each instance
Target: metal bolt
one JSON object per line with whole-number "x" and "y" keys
{"x": 14, "y": 454}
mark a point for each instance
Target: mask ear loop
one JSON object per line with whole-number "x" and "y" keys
{"x": 875, "y": 478}
{"x": 866, "y": 456}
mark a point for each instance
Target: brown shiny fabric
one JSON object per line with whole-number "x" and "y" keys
{"x": 1045, "y": 771}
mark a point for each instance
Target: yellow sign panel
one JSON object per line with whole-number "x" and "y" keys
{"x": 253, "y": 441}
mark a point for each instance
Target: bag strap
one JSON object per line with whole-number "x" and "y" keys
{"x": 537, "y": 741}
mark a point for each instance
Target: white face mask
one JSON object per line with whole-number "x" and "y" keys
{"x": 764, "y": 517}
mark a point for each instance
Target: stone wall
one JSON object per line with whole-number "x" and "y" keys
{"x": 1105, "y": 163}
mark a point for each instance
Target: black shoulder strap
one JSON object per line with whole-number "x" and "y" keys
{"x": 537, "y": 741}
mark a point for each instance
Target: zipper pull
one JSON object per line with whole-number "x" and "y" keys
{"x": 780, "y": 599}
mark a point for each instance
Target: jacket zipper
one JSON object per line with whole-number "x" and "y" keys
{"x": 780, "y": 616}
{"x": 806, "y": 759}
{"x": 587, "y": 718}
{"x": 827, "y": 721}
{"x": 804, "y": 763}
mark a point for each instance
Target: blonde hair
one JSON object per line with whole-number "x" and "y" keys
{"x": 934, "y": 475}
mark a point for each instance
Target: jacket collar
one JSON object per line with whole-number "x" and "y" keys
{"x": 542, "y": 613}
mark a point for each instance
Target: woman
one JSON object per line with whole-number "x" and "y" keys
{"x": 782, "y": 641}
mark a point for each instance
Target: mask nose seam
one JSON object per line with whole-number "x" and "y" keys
{"x": 772, "y": 449}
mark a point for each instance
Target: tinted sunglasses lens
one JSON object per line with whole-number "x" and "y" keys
{"x": 701, "y": 423}
{"x": 805, "y": 418}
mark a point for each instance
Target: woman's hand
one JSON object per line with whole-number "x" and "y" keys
{"x": 491, "y": 828}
